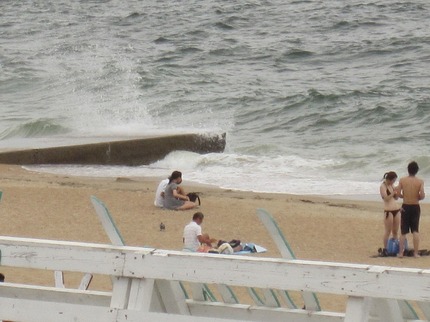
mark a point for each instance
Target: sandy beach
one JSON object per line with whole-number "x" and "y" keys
{"x": 39, "y": 205}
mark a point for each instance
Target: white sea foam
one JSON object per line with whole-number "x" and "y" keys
{"x": 292, "y": 174}
{"x": 323, "y": 108}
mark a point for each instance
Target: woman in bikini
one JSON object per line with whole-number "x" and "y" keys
{"x": 391, "y": 208}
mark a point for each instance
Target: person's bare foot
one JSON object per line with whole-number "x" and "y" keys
{"x": 416, "y": 255}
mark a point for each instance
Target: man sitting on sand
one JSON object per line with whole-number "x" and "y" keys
{"x": 411, "y": 189}
{"x": 193, "y": 236}
{"x": 159, "y": 194}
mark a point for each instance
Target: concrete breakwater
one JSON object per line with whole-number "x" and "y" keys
{"x": 124, "y": 152}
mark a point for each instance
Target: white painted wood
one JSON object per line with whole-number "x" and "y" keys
{"x": 147, "y": 283}
{"x": 293, "y": 275}
{"x": 53, "y": 294}
{"x": 85, "y": 281}
{"x": 31, "y": 308}
{"x": 202, "y": 292}
{"x": 227, "y": 294}
{"x": 310, "y": 299}
{"x": 141, "y": 294}
{"x": 39, "y": 311}
{"x": 120, "y": 292}
{"x": 213, "y": 311}
{"x": 407, "y": 310}
{"x": 285, "y": 296}
{"x": 425, "y": 308}
{"x": 37, "y": 303}
{"x": 172, "y": 297}
{"x": 107, "y": 222}
{"x": 137, "y": 316}
{"x": 197, "y": 292}
{"x": 270, "y": 298}
{"x": 59, "y": 279}
{"x": 357, "y": 309}
{"x": 388, "y": 310}
{"x": 58, "y": 255}
{"x": 156, "y": 302}
{"x": 265, "y": 297}
{"x": 244, "y": 312}
{"x": 144, "y": 290}
{"x": 396, "y": 283}
{"x": 255, "y": 296}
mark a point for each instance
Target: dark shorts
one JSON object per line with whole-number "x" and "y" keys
{"x": 410, "y": 220}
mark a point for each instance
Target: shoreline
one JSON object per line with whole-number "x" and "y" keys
{"x": 354, "y": 197}
{"x": 58, "y": 207}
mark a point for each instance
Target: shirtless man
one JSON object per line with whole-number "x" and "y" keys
{"x": 411, "y": 189}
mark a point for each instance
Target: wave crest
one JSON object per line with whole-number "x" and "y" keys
{"x": 37, "y": 128}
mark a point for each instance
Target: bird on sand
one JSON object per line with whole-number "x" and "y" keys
{"x": 162, "y": 227}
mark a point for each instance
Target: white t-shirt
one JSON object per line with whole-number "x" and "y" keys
{"x": 191, "y": 231}
{"x": 158, "y": 198}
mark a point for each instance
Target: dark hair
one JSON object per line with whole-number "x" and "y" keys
{"x": 175, "y": 175}
{"x": 198, "y": 215}
{"x": 390, "y": 175}
{"x": 413, "y": 168}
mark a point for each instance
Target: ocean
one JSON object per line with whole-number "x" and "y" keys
{"x": 316, "y": 97}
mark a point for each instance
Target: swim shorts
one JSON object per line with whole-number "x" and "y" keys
{"x": 410, "y": 220}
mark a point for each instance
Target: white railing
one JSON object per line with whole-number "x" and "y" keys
{"x": 147, "y": 285}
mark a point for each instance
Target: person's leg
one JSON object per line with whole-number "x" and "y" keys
{"x": 388, "y": 224}
{"x": 401, "y": 245}
{"x": 238, "y": 248}
{"x": 181, "y": 191}
{"x": 405, "y": 225}
{"x": 187, "y": 205}
{"x": 416, "y": 236}
{"x": 415, "y": 223}
{"x": 396, "y": 226}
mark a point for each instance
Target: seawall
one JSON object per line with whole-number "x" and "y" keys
{"x": 125, "y": 152}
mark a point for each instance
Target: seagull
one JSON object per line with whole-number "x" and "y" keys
{"x": 162, "y": 227}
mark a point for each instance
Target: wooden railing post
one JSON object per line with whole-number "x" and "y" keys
{"x": 357, "y": 309}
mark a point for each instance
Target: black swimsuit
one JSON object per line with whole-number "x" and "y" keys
{"x": 394, "y": 212}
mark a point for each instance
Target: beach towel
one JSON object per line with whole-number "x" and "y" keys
{"x": 226, "y": 249}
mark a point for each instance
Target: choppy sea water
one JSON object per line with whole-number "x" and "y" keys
{"x": 316, "y": 97}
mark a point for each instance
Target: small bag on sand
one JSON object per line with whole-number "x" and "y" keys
{"x": 193, "y": 196}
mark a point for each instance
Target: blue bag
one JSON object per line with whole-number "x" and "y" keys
{"x": 393, "y": 246}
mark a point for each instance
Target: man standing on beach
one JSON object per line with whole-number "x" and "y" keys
{"x": 411, "y": 189}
